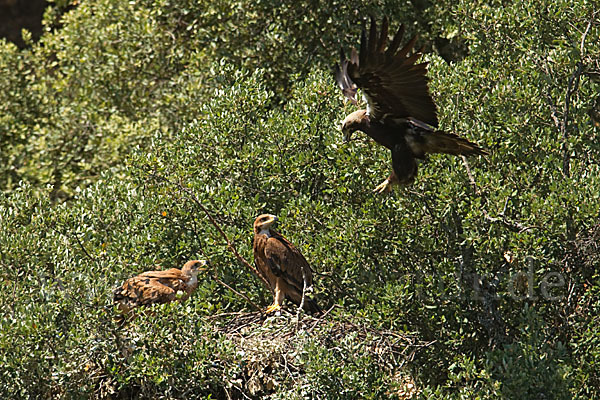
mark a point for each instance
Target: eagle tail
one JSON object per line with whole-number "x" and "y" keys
{"x": 310, "y": 305}
{"x": 449, "y": 143}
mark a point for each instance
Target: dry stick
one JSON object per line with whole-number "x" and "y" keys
{"x": 236, "y": 292}
{"x": 285, "y": 364}
{"x": 321, "y": 318}
{"x": 301, "y": 306}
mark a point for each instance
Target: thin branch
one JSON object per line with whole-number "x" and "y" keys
{"x": 83, "y": 248}
{"x": 230, "y": 244}
{"x": 321, "y": 318}
{"x": 553, "y": 112}
{"x": 571, "y": 89}
{"x": 301, "y": 306}
{"x": 238, "y": 293}
{"x": 227, "y": 393}
{"x": 470, "y": 175}
{"x": 587, "y": 30}
{"x": 205, "y": 255}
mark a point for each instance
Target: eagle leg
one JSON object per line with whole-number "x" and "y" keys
{"x": 279, "y": 296}
{"x": 404, "y": 168}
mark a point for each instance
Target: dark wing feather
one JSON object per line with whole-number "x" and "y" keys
{"x": 382, "y": 36}
{"x": 389, "y": 54}
{"x": 287, "y": 262}
{"x": 394, "y": 85}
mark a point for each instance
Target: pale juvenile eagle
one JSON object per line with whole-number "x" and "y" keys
{"x": 282, "y": 265}
{"x": 400, "y": 113}
{"x": 154, "y": 287}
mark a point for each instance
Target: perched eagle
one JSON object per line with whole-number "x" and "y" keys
{"x": 282, "y": 265}
{"x": 400, "y": 113}
{"x": 153, "y": 287}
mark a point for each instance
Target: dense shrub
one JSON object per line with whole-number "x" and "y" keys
{"x": 480, "y": 280}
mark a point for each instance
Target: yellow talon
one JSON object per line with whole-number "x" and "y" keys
{"x": 273, "y": 308}
{"x": 385, "y": 186}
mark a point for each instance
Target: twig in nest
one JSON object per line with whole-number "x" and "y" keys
{"x": 301, "y": 306}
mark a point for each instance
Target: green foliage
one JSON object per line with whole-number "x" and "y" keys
{"x": 78, "y": 101}
{"x": 478, "y": 281}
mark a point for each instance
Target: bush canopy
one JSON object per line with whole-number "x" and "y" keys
{"x": 137, "y": 134}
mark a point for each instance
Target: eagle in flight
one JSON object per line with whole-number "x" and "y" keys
{"x": 282, "y": 265}
{"x": 154, "y": 287}
{"x": 400, "y": 112}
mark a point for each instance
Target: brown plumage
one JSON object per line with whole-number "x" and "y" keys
{"x": 282, "y": 265}
{"x": 400, "y": 114}
{"x": 154, "y": 287}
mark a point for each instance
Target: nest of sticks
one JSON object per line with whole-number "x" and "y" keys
{"x": 273, "y": 348}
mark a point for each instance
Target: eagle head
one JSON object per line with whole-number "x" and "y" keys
{"x": 356, "y": 121}
{"x": 193, "y": 267}
{"x": 263, "y": 222}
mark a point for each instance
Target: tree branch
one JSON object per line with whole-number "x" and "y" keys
{"x": 238, "y": 293}
{"x": 214, "y": 276}
{"x": 572, "y": 87}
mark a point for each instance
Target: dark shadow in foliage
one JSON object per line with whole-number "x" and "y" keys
{"x": 16, "y": 15}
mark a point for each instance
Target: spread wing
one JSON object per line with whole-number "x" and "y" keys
{"x": 287, "y": 262}
{"x": 393, "y": 84}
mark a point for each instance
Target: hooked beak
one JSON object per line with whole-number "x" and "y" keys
{"x": 270, "y": 223}
{"x": 204, "y": 267}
